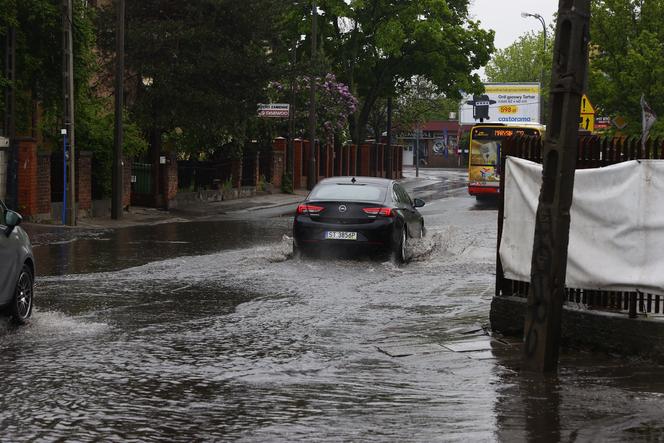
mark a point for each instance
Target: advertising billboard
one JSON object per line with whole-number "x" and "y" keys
{"x": 509, "y": 103}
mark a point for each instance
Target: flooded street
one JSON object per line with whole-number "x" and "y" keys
{"x": 213, "y": 331}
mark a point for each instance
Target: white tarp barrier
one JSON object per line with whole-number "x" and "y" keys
{"x": 616, "y": 239}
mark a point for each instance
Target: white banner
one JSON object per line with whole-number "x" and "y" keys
{"x": 509, "y": 103}
{"x": 617, "y": 225}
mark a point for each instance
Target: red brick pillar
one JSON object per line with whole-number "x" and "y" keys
{"x": 297, "y": 167}
{"x": 84, "y": 183}
{"x": 236, "y": 173}
{"x": 44, "y": 185}
{"x": 306, "y": 146}
{"x": 279, "y": 144}
{"x": 365, "y": 167}
{"x": 277, "y": 168}
{"x": 27, "y": 177}
{"x": 278, "y": 160}
{"x": 126, "y": 182}
{"x": 171, "y": 178}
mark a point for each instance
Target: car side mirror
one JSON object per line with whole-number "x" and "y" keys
{"x": 12, "y": 220}
{"x": 419, "y": 203}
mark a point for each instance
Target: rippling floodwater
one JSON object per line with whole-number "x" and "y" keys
{"x": 247, "y": 343}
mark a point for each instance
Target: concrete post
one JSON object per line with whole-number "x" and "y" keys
{"x": 549, "y": 261}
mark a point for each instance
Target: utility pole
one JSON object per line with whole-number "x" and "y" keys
{"x": 311, "y": 171}
{"x": 117, "y": 185}
{"x": 10, "y": 120}
{"x": 390, "y": 156}
{"x": 68, "y": 79}
{"x": 542, "y": 328}
{"x": 541, "y": 19}
{"x": 290, "y": 165}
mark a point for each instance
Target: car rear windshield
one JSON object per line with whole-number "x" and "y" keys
{"x": 349, "y": 192}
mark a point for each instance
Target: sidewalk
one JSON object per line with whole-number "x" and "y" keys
{"x": 265, "y": 205}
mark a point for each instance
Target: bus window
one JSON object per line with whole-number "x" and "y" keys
{"x": 484, "y": 152}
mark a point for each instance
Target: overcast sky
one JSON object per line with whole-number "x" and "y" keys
{"x": 504, "y": 17}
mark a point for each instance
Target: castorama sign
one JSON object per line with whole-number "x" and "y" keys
{"x": 509, "y": 103}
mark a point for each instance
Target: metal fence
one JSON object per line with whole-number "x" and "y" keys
{"x": 199, "y": 175}
{"x": 593, "y": 152}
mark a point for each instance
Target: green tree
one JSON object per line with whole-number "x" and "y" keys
{"x": 38, "y": 26}
{"x": 524, "y": 61}
{"x": 418, "y": 102}
{"x": 39, "y": 84}
{"x": 198, "y": 66}
{"x": 627, "y": 59}
{"x": 377, "y": 45}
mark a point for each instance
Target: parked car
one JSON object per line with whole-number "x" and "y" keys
{"x": 17, "y": 273}
{"x": 375, "y": 214}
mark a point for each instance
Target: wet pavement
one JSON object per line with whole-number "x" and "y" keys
{"x": 211, "y": 330}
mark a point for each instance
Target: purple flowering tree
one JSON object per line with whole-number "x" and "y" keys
{"x": 334, "y": 105}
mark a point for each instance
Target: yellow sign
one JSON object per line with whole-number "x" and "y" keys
{"x": 586, "y": 106}
{"x": 508, "y": 109}
{"x": 587, "y": 114}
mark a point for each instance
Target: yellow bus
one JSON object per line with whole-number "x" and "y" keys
{"x": 484, "y": 156}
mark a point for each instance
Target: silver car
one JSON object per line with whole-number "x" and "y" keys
{"x": 17, "y": 267}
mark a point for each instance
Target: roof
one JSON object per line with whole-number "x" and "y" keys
{"x": 358, "y": 180}
{"x": 440, "y": 126}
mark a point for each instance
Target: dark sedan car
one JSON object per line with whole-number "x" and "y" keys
{"x": 373, "y": 213}
{"x": 17, "y": 270}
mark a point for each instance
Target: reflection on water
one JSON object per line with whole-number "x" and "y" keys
{"x": 594, "y": 397}
{"x": 82, "y": 252}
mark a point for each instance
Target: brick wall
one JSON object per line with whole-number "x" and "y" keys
{"x": 84, "y": 183}
{"x": 236, "y": 172}
{"x": 27, "y": 177}
{"x": 279, "y": 144}
{"x": 365, "y": 165}
{"x": 44, "y": 185}
{"x": 171, "y": 177}
{"x": 298, "y": 149}
{"x": 277, "y": 168}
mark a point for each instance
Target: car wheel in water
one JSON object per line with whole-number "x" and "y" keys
{"x": 299, "y": 251}
{"x": 399, "y": 252}
{"x": 21, "y": 307}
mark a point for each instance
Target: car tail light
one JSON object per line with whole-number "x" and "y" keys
{"x": 309, "y": 209}
{"x": 385, "y": 212}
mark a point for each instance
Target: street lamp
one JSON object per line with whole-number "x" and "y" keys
{"x": 541, "y": 19}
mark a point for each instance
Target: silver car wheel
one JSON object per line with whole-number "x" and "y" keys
{"x": 22, "y": 306}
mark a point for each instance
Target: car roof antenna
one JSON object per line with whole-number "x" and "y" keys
{"x": 352, "y": 180}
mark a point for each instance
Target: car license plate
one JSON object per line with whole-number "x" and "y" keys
{"x": 340, "y": 235}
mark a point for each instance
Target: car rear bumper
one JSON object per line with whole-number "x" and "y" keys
{"x": 379, "y": 234}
